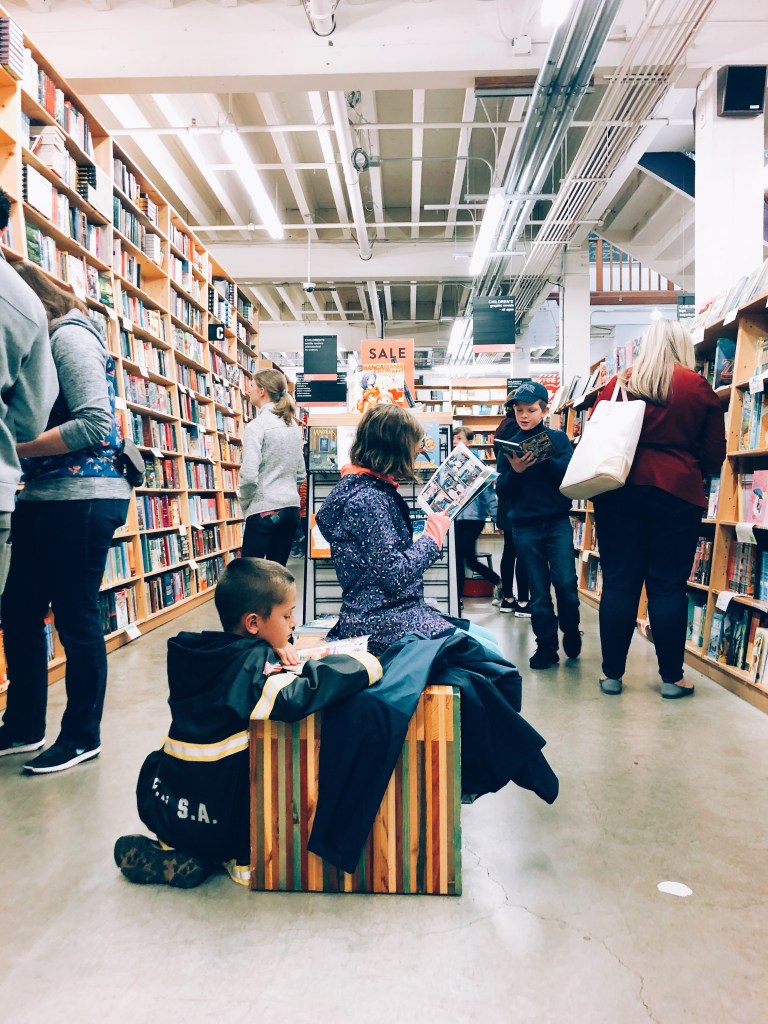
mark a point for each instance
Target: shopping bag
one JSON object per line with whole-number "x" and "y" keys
{"x": 603, "y": 457}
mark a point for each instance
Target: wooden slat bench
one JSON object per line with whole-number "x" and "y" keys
{"x": 415, "y": 843}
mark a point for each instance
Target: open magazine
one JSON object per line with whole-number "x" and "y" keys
{"x": 351, "y": 645}
{"x": 458, "y": 480}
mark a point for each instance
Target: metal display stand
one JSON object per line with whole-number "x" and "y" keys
{"x": 322, "y": 592}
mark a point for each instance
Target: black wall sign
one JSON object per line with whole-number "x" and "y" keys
{"x": 321, "y": 392}
{"x": 493, "y": 321}
{"x": 320, "y": 357}
{"x": 216, "y": 334}
{"x": 686, "y": 307}
{"x": 513, "y": 383}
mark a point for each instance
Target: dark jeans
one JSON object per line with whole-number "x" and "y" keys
{"x": 270, "y": 536}
{"x": 546, "y": 546}
{"x": 466, "y": 532}
{"x": 58, "y": 556}
{"x": 514, "y": 575}
{"x": 649, "y": 536}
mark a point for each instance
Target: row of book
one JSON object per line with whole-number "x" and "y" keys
{"x": 120, "y": 563}
{"x": 185, "y": 311}
{"x": 56, "y": 207}
{"x": 156, "y": 513}
{"x": 85, "y": 279}
{"x": 144, "y": 354}
{"x": 11, "y": 48}
{"x": 183, "y": 243}
{"x": 200, "y": 476}
{"x": 136, "y": 312}
{"x": 189, "y": 345}
{"x": 717, "y": 369}
{"x": 147, "y": 393}
{"x": 747, "y": 571}
{"x": 169, "y": 588}
{"x": 161, "y": 550}
{"x": 197, "y": 442}
{"x": 697, "y": 614}
{"x": 229, "y": 479}
{"x": 126, "y": 265}
{"x": 41, "y": 86}
{"x": 702, "y": 562}
{"x": 593, "y": 579}
{"x": 226, "y": 424}
{"x": 738, "y": 637}
{"x": 118, "y": 609}
{"x": 578, "y": 533}
{"x": 207, "y": 541}
{"x": 753, "y": 431}
{"x": 189, "y": 409}
{"x": 726, "y": 305}
{"x": 161, "y": 473}
{"x": 203, "y": 510}
{"x": 152, "y": 433}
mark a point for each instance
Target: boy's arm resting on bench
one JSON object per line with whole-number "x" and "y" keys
{"x": 288, "y": 697}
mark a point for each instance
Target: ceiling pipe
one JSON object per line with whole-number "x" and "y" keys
{"x": 321, "y": 17}
{"x": 338, "y": 105}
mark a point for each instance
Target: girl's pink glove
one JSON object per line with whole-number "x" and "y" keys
{"x": 436, "y": 527}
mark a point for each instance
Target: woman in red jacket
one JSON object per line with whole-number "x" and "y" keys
{"x": 648, "y": 529}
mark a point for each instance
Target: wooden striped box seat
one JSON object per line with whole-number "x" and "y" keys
{"x": 415, "y": 843}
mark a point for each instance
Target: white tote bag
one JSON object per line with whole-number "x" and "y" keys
{"x": 603, "y": 456}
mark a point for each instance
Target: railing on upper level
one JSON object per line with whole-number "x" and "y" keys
{"x": 615, "y": 276}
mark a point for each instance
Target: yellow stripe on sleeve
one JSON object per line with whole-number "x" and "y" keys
{"x": 269, "y": 694}
{"x": 370, "y": 663}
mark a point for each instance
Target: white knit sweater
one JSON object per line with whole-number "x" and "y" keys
{"x": 273, "y": 464}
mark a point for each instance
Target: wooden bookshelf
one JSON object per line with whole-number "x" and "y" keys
{"x": 725, "y": 654}
{"x": 184, "y": 340}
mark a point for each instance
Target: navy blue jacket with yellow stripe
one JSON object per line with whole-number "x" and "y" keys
{"x": 193, "y": 793}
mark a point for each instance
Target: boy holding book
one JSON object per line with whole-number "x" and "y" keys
{"x": 193, "y": 793}
{"x": 530, "y": 476}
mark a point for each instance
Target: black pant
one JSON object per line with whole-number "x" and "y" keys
{"x": 546, "y": 546}
{"x": 649, "y": 536}
{"x": 269, "y": 535}
{"x": 513, "y": 571}
{"x": 58, "y": 555}
{"x": 466, "y": 532}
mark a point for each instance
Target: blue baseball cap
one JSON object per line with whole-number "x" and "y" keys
{"x": 531, "y": 391}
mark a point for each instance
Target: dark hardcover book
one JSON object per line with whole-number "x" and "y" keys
{"x": 539, "y": 444}
{"x": 724, "y": 356}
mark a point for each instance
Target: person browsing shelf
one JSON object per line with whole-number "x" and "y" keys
{"x": 539, "y": 516}
{"x": 75, "y": 496}
{"x": 272, "y": 470}
{"x": 27, "y": 382}
{"x": 368, "y": 526}
{"x": 469, "y": 524}
{"x": 514, "y": 595}
{"x": 196, "y": 804}
{"x": 647, "y": 530}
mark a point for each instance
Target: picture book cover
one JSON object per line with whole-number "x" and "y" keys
{"x": 540, "y": 444}
{"x": 724, "y": 356}
{"x": 754, "y": 497}
{"x": 378, "y": 384}
{"x": 457, "y": 482}
{"x": 428, "y": 455}
{"x": 322, "y": 449}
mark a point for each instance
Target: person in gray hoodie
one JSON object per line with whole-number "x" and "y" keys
{"x": 27, "y": 382}
{"x": 75, "y": 497}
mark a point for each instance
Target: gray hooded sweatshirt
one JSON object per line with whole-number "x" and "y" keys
{"x": 28, "y": 384}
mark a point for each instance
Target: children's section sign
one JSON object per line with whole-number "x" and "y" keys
{"x": 379, "y": 350}
{"x": 320, "y": 357}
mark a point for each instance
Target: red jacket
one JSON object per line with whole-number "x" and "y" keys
{"x": 680, "y": 441}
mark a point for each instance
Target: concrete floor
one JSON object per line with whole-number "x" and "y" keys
{"x": 560, "y": 921}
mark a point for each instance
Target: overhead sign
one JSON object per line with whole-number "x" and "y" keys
{"x": 686, "y": 307}
{"x": 321, "y": 392}
{"x": 493, "y": 323}
{"x": 320, "y": 356}
{"x": 216, "y": 334}
{"x": 386, "y": 350}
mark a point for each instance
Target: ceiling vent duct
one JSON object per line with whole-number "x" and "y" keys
{"x": 321, "y": 15}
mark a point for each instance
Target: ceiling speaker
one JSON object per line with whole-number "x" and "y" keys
{"x": 741, "y": 90}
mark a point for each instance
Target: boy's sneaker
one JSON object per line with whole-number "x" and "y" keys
{"x": 59, "y": 757}
{"x": 544, "y": 657}
{"x": 143, "y": 861}
{"x": 572, "y": 643}
{"x": 507, "y": 607}
{"x": 522, "y": 611}
{"x": 8, "y": 745}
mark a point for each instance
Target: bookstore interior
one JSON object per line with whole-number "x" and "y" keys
{"x": 513, "y": 192}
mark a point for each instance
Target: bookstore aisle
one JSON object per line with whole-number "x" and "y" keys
{"x": 561, "y": 918}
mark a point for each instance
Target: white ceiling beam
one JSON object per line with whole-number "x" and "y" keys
{"x": 339, "y": 305}
{"x": 315, "y": 305}
{"x": 368, "y": 110}
{"x": 660, "y": 217}
{"x": 508, "y": 140}
{"x": 168, "y": 108}
{"x": 414, "y": 287}
{"x": 388, "y": 301}
{"x": 273, "y": 115}
{"x": 289, "y": 301}
{"x": 363, "y": 299}
{"x": 417, "y": 152}
{"x": 461, "y": 164}
{"x": 394, "y": 262}
{"x": 439, "y": 301}
{"x": 264, "y": 299}
{"x": 373, "y": 298}
{"x": 324, "y": 137}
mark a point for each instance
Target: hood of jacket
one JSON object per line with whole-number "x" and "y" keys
{"x": 74, "y": 318}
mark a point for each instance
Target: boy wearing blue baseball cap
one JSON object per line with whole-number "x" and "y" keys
{"x": 529, "y": 481}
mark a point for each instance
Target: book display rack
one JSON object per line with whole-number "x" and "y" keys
{"x": 727, "y": 636}
{"x": 475, "y": 402}
{"x": 185, "y": 341}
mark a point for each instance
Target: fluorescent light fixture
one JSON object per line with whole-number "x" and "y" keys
{"x": 486, "y": 236}
{"x": 458, "y": 331}
{"x": 254, "y": 186}
{"x": 554, "y": 12}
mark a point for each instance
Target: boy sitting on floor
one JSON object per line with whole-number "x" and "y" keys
{"x": 193, "y": 793}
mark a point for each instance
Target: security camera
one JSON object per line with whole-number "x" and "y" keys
{"x": 309, "y": 287}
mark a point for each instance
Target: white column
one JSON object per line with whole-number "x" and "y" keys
{"x": 729, "y": 193}
{"x": 574, "y": 315}
{"x": 521, "y": 363}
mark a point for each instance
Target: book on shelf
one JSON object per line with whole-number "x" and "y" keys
{"x": 539, "y": 445}
{"x": 697, "y": 611}
{"x": 12, "y": 48}
{"x": 743, "y": 561}
{"x": 752, "y": 497}
{"x": 725, "y": 352}
{"x": 753, "y": 431}
{"x": 319, "y": 547}
{"x": 732, "y": 635}
{"x": 712, "y": 490}
{"x": 457, "y": 482}
{"x": 759, "y": 655}
{"x": 702, "y": 561}
{"x": 428, "y": 455}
